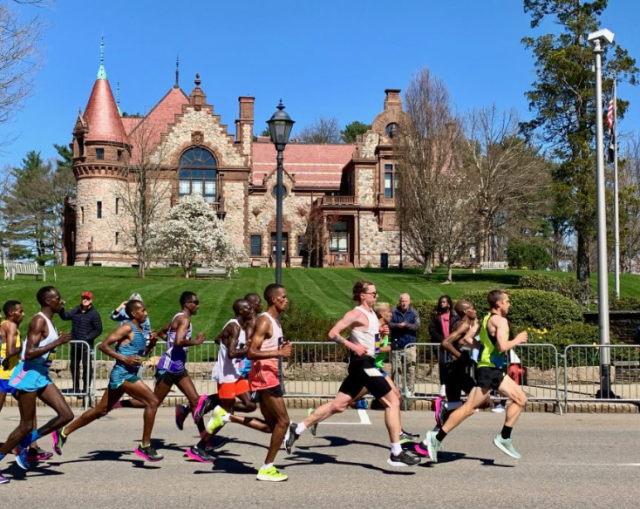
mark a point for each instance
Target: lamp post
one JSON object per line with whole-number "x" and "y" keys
{"x": 280, "y": 125}
{"x": 599, "y": 39}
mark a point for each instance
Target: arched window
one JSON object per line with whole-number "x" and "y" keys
{"x": 198, "y": 174}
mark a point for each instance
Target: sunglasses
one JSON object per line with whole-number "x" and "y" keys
{"x": 196, "y": 302}
{"x": 371, "y": 293}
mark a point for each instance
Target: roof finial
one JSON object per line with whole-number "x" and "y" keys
{"x": 281, "y": 106}
{"x": 102, "y": 73}
{"x": 197, "y": 80}
{"x": 118, "y": 96}
{"x": 177, "y": 85}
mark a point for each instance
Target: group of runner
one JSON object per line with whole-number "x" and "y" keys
{"x": 247, "y": 373}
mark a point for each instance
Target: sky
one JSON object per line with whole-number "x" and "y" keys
{"x": 322, "y": 58}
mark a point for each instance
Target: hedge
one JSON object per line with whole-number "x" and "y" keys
{"x": 567, "y": 287}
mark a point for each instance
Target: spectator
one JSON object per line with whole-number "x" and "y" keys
{"x": 441, "y": 323}
{"x": 120, "y": 315}
{"x": 636, "y": 338}
{"x": 86, "y": 325}
{"x": 404, "y": 325}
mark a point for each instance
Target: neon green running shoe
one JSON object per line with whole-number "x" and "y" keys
{"x": 271, "y": 474}
{"x": 314, "y": 428}
{"x": 216, "y": 421}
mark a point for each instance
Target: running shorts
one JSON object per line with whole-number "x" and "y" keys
{"x": 29, "y": 377}
{"x": 6, "y": 388}
{"x": 120, "y": 374}
{"x": 275, "y": 391}
{"x": 169, "y": 378}
{"x": 457, "y": 379}
{"x": 363, "y": 373}
{"x": 489, "y": 378}
{"x": 231, "y": 390}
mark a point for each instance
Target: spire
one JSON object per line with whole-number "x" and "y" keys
{"x": 102, "y": 73}
{"x": 177, "y": 84}
{"x": 102, "y": 115}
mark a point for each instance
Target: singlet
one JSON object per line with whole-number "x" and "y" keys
{"x": 45, "y": 359}
{"x": 5, "y": 374}
{"x": 369, "y": 338}
{"x": 135, "y": 347}
{"x": 490, "y": 355}
{"x": 264, "y": 372}
{"x": 227, "y": 370}
{"x": 174, "y": 358}
{"x": 380, "y": 357}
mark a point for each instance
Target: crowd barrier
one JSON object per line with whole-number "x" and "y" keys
{"x": 316, "y": 369}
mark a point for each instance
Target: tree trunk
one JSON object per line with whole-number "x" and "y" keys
{"x": 450, "y": 273}
{"x": 583, "y": 270}
{"x": 141, "y": 269}
{"x": 427, "y": 264}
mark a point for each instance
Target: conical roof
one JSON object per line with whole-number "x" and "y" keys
{"x": 102, "y": 115}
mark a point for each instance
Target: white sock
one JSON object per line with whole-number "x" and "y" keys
{"x": 300, "y": 429}
{"x": 396, "y": 448}
{"x": 453, "y": 405}
{"x": 225, "y": 418}
{"x": 267, "y": 466}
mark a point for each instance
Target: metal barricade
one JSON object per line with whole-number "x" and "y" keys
{"x": 582, "y": 373}
{"x": 66, "y": 362}
{"x": 315, "y": 369}
{"x": 419, "y": 366}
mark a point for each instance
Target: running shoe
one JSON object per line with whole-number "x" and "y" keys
{"x": 506, "y": 446}
{"x": 433, "y": 445}
{"x": 314, "y": 428}
{"x": 499, "y": 409}
{"x": 198, "y": 454}
{"x": 36, "y": 454}
{"x": 291, "y": 439}
{"x": 205, "y": 405}
{"x": 181, "y": 414}
{"x": 271, "y": 474}
{"x": 216, "y": 421}
{"x": 59, "y": 440}
{"x": 421, "y": 449}
{"x": 408, "y": 437}
{"x": 21, "y": 454}
{"x": 3, "y": 479}
{"x": 404, "y": 459}
{"x": 148, "y": 453}
{"x": 216, "y": 442}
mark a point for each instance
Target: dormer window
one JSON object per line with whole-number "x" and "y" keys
{"x": 391, "y": 130}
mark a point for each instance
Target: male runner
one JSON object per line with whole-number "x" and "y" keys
{"x": 364, "y": 343}
{"x": 31, "y": 378}
{"x": 494, "y": 338}
{"x": 130, "y": 347}
{"x": 265, "y": 348}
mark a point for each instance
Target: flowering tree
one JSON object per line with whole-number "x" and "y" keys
{"x": 192, "y": 233}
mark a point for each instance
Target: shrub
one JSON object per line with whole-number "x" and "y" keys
{"x": 531, "y": 255}
{"x": 301, "y": 324}
{"x": 424, "y": 309}
{"x": 567, "y": 287}
{"x": 533, "y": 308}
{"x": 624, "y": 303}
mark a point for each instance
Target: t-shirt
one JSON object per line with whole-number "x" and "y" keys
{"x": 379, "y": 360}
{"x": 445, "y": 319}
{"x": 5, "y": 374}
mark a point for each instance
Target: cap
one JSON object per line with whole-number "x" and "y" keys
{"x": 88, "y": 295}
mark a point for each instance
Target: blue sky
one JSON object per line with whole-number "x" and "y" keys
{"x": 331, "y": 58}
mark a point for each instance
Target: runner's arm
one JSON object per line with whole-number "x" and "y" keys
{"x": 121, "y": 333}
{"x": 33, "y": 350}
{"x": 349, "y": 320}
{"x": 181, "y": 333}
{"x": 231, "y": 342}
{"x": 261, "y": 331}
{"x": 12, "y": 336}
{"x": 502, "y": 335}
{"x": 453, "y": 338}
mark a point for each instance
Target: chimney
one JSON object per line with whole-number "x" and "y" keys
{"x": 244, "y": 126}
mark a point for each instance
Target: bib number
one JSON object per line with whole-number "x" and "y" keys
{"x": 377, "y": 344}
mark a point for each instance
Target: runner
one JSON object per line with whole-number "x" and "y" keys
{"x": 456, "y": 363}
{"x": 494, "y": 338}
{"x": 31, "y": 379}
{"x": 130, "y": 348}
{"x": 10, "y": 342}
{"x": 364, "y": 343}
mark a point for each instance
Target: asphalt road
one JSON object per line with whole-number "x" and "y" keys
{"x": 568, "y": 461}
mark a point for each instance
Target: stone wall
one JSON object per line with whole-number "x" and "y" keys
{"x": 373, "y": 242}
{"x": 365, "y": 186}
{"x": 622, "y": 323}
{"x": 235, "y": 194}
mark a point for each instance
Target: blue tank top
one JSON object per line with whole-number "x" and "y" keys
{"x": 135, "y": 347}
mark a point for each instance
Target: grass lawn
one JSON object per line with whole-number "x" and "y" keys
{"x": 327, "y": 291}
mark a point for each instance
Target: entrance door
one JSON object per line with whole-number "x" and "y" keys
{"x": 285, "y": 247}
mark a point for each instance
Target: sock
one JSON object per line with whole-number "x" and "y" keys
{"x": 453, "y": 405}
{"x": 63, "y": 433}
{"x": 396, "y": 448}
{"x": 30, "y": 438}
{"x": 441, "y": 435}
{"x": 267, "y": 466}
{"x": 506, "y": 432}
{"x": 225, "y": 418}
{"x": 300, "y": 428}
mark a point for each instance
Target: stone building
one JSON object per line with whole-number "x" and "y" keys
{"x": 345, "y": 190}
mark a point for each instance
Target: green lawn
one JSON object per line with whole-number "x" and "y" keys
{"x": 327, "y": 291}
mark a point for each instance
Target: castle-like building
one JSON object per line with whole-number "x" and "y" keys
{"x": 346, "y": 190}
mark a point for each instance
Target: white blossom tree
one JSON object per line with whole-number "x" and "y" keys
{"x": 192, "y": 233}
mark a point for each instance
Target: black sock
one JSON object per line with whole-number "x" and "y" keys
{"x": 506, "y": 432}
{"x": 441, "y": 435}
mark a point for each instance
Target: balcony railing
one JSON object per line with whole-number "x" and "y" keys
{"x": 339, "y": 200}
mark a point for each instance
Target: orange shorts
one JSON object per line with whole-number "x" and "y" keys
{"x": 231, "y": 390}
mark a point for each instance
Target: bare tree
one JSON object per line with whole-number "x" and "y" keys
{"x": 629, "y": 201}
{"x": 19, "y": 59}
{"x": 508, "y": 174}
{"x": 428, "y": 147}
{"x": 323, "y": 130}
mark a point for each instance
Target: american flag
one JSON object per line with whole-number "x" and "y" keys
{"x": 611, "y": 121}
{"x": 610, "y": 115}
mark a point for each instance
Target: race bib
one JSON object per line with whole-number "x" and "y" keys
{"x": 377, "y": 344}
{"x": 373, "y": 372}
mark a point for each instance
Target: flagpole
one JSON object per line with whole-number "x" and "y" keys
{"x": 616, "y": 226}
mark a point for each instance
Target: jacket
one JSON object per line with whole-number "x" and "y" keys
{"x": 403, "y": 336}
{"x": 435, "y": 327}
{"x": 85, "y": 326}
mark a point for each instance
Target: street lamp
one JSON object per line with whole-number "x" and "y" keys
{"x": 599, "y": 39}
{"x": 280, "y": 125}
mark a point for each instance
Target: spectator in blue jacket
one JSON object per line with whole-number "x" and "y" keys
{"x": 404, "y": 326}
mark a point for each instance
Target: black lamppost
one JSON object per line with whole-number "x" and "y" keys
{"x": 280, "y": 125}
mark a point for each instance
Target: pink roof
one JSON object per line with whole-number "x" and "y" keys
{"x": 130, "y": 123}
{"x": 312, "y": 165}
{"x": 102, "y": 115}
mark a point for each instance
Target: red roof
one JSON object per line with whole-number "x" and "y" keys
{"x": 130, "y": 123}
{"x": 102, "y": 115}
{"x": 311, "y": 165}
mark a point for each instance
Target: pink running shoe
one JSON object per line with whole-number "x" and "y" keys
{"x": 421, "y": 449}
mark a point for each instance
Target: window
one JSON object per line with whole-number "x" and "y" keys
{"x": 390, "y": 183}
{"x": 339, "y": 238}
{"x": 256, "y": 245}
{"x": 117, "y": 237}
{"x": 391, "y": 130}
{"x": 120, "y": 155}
{"x": 198, "y": 174}
{"x": 82, "y": 214}
{"x": 302, "y": 247}
{"x": 117, "y": 206}
{"x": 99, "y": 210}
{"x": 100, "y": 154}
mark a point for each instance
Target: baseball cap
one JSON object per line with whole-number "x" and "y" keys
{"x": 88, "y": 295}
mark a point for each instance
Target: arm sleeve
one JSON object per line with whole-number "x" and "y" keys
{"x": 434, "y": 333}
{"x": 118, "y": 316}
{"x": 67, "y": 315}
{"x": 96, "y": 327}
{"x": 415, "y": 325}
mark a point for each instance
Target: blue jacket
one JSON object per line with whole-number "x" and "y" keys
{"x": 402, "y": 336}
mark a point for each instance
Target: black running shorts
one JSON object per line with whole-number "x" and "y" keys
{"x": 276, "y": 391}
{"x": 489, "y": 378}
{"x": 363, "y": 373}
{"x": 457, "y": 379}
{"x": 170, "y": 379}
